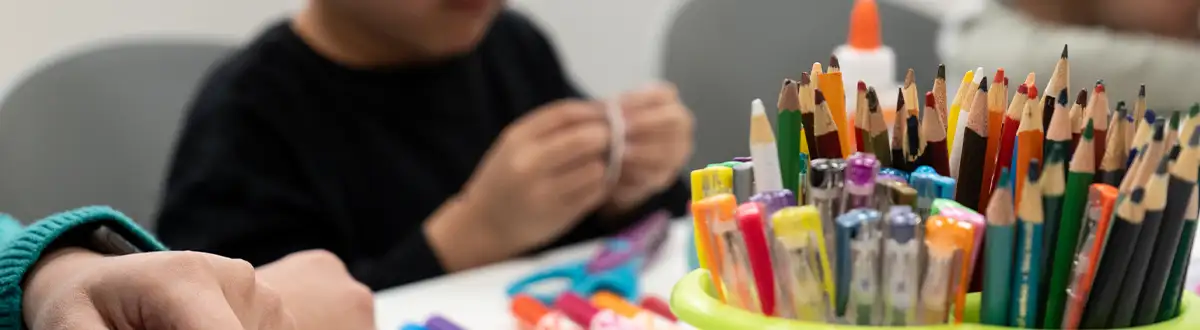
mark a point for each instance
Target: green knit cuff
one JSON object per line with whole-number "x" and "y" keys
{"x": 23, "y": 250}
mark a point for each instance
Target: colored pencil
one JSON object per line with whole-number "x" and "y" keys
{"x": 975, "y": 138}
{"x": 1028, "y": 144}
{"x": 1029, "y": 250}
{"x": 1077, "y": 116}
{"x": 1112, "y": 165}
{"x": 1169, "y": 307}
{"x": 1061, "y": 78}
{"x": 913, "y": 140}
{"x": 1193, "y": 121}
{"x": 1058, "y": 132}
{"x": 1119, "y": 249}
{"x": 911, "y": 102}
{"x": 1145, "y": 129}
{"x": 1153, "y": 154}
{"x": 956, "y": 105}
{"x": 1154, "y": 200}
{"x": 877, "y": 130}
{"x": 1172, "y": 129}
{"x": 826, "y": 129}
{"x": 1139, "y": 106}
{"x": 1182, "y": 183}
{"x": 996, "y": 120}
{"x": 1097, "y": 111}
{"x": 808, "y": 108}
{"x": 998, "y": 254}
{"x": 1079, "y": 177}
{"x": 939, "y": 97}
{"x": 1012, "y": 122}
{"x": 956, "y": 142}
{"x": 1092, "y": 238}
{"x": 830, "y": 84}
{"x": 1053, "y": 184}
{"x": 861, "y": 120}
{"x": 763, "y": 150}
{"x": 933, "y": 139}
{"x": 788, "y": 123}
{"x": 974, "y": 87}
{"x": 899, "y": 125}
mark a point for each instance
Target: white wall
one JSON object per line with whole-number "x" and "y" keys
{"x": 625, "y": 53}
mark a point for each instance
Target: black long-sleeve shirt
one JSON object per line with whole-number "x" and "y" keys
{"x": 284, "y": 150}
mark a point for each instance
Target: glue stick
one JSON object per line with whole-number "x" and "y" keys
{"x": 865, "y": 57}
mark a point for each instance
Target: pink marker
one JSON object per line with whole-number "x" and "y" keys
{"x": 584, "y": 314}
{"x": 535, "y": 316}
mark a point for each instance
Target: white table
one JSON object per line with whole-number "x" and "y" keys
{"x": 476, "y": 299}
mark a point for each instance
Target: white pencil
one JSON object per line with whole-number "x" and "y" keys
{"x": 767, "y": 176}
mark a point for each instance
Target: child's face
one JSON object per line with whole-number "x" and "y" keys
{"x": 1171, "y": 18}
{"x": 431, "y": 28}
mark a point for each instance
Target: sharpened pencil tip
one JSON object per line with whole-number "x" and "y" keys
{"x": 872, "y": 100}
{"x": 1062, "y": 97}
{"x": 1005, "y": 81}
{"x": 833, "y": 62}
{"x": 787, "y": 81}
{"x": 862, "y": 86}
{"x": 941, "y": 71}
{"x": 1090, "y": 130}
{"x": 910, "y": 77}
{"x": 929, "y": 99}
{"x": 1142, "y": 90}
{"x": 805, "y": 79}
{"x": 1175, "y": 117}
{"x": 983, "y": 85}
{"x": 1099, "y": 86}
{"x": 1160, "y": 132}
{"x": 757, "y": 108}
{"x": 1023, "y": 89}
{"x": 1081, "y": 97}
{"x": 1035, "y": 170}
{"x": 1195, "y": 110}
{"x": 819, "y": 97}
{"x": 1137, "y": 195}
{"x": 1121, "y": 109}
{"x": 1064, "y": 52}
{"x": 1000, "y": 78}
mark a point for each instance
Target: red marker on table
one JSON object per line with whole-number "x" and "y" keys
{"x": 584, "y": 314}
{"x": 658, "y": 306}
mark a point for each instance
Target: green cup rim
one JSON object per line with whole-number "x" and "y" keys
{"x": 693, "y": 302}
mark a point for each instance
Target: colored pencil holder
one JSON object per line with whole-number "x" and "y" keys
{"x": 693, "y": 302}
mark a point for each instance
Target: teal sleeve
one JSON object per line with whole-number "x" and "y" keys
{"x": 21, "y": 248}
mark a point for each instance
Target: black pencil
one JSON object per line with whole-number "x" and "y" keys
{"x": 975, "y": 139}
{"x": 1154, "y": 200}
{"x": 1117, "y": 252}
{"x": 899, "y": 125}
{"x": 1179, "y": 190}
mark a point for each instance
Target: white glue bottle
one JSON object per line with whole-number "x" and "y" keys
{"x": 864, "y": 57}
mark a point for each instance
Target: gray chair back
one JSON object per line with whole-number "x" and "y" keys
{"x": 97, "y": 127}
{"x": 722, "y": 54}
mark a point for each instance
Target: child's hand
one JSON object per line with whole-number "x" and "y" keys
{"x": 78, "y": 289}
{"x": 658, "y": 143}
{"x": 319, "y": 292}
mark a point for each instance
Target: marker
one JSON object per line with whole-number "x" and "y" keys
{"x": 734, "y": 259}
{"x": 960, "y": 235}
{"x": 859, "y": 186}
{"x": 582, "y": 312}
{"x": 643, "y": 318}
{"x": 803, "y": 272}
{"x": 902, "y": 275}
{"x": 1098, "y": 214}
{"x": 753, "y": 230}
{"x": 825, "y": 191}
{"x": 658, "y": 306}
{"x": 939, "y": 278}
{"x": 929, "y": 186}
{"x": 705, "y": 214}
{"x": 743, "y": 180}
{"x": 437, "y": 322}
{"x": 532, "y": 314}
{"x": 859, "y": 245}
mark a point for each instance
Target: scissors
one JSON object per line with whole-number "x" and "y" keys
{"x": 615, "y": 268}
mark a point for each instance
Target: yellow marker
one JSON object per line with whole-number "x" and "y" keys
{"x": 807, "y": 291}
{"x": 707, "y": 182}
{"x": 963, "y": 90}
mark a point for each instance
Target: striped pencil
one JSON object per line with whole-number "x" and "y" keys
{"x": 808, "y": 108}
{"x": 899, "y": 158}
{"x": 1028, "y": 144}
{"x": 877, "y": 130}
{"x": 1077, "y": 116}
{"x": 974, "y": 138}
{"x": 829, "y": 141}
{"x": 830, "y": 83}
{"x": 788, "y": 126}
{"x": 1097, "y": 111}
{"x": 996, "y": 120}
{"x": 861, "y": 118}
{"x": 956, "y": 105}
{"x": 932, "y": 151}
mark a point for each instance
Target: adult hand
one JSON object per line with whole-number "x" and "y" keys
{"x": 73, "y": 288}
{"x": 319, "y": 292}
{"x": 658, "y": 130}
{"x": 538, "y": 180}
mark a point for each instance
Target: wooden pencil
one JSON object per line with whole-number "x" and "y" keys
{"x": 956, "y": 149}
{"x": 1079, "y": 177}
{"x": 1193, "y": 121}
{"x": 826, "y": 130}
{"x": 1119, "y": 249}
{"x": 1181, "y": 183}
{"x": 1169, "y": 307}
{"x": 913, "y": 141}
{"x": 911, "y": 102}
{"x": 996, "y": 120}
{"x": 1112, "y": 166}
{"x": 1097, "y": 110}
{"x": 974, "y": 138}
{"x": 877, "y": 130}
{"x": 1154, "y": 200}
{"x": 1029, "y": 249}
{"x": 939, "y": 97}
{"x": 1145, "y": 129}
{"x": 998, "y": 254}
{"x": 1028, "y": 144}
{"x": 861, "y": 118}
{"x": 974, "y": 87}
{"x": 1053, "y": 184}
{"x": 830, "y": 83}
{"x": 1012, "y": 122}
{"x": 956, "y": 105}
{"x": 788, "y": 126}
{"x": 1059, "y": 131}
{"x": 808, "y": 107}
{"x": 1139, "y": 106}
{"x": 1077, "y": 118}
{"x": 1153, "y": 154}
{"x": 932, "y": 151}
{"x": 762, "y": 147}
{"x": 1173, "y": 129}
{"x": 816, "y": 70}
{"x": 899, "y": 125}
{"x": 1060, "y": 79}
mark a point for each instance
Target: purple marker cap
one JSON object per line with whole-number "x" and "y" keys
{"x": 642, "y": 239}
{"x": 436, "y": 322}
{"x": 774, "y": 200}
{"x": 742, "y": 159}
{"x": 861, "y": 169}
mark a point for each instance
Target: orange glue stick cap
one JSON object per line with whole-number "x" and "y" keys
{"x": 864, "y": 25}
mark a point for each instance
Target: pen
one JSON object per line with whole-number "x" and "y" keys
{"x": 532, "y": 314}
{"x": 859, "y": 186}
{"x": 825, "y": 191}
{"x": 743, "y": 180}
{"x": 1097, "y": 217}
{"x": 582, "y": 312}
{"x": 929, "y": 186}
{"x": 802, "y": 274}
{"x": 939, "y": 277}
{"x": 859, "y": 243}
{"x": 903, "y": 270}
{"x": 705, "y": 214}
{"x": 773, "y": 201}
{"x": 961, "y": 236}
{"x": 753, "y": 231}
{"x": 643, "y": 318}
{"x": 734, "y": 259}
{"x": 952, "y": 209}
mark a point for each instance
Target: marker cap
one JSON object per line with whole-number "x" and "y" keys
{"x": 609, "y": 300}
{"x": 576, "y": 308}
{"x": 658, "y": 306}
{"x": 527, "y": 309}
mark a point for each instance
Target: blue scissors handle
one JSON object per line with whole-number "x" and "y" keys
{"x": 621, "y": 280}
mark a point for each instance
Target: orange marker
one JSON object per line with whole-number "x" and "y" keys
{"x": 532, "y": 314}
{"x": 705, "y": 213}
{"x": 961, "y": 235}
{"x": 646, "y": 319}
